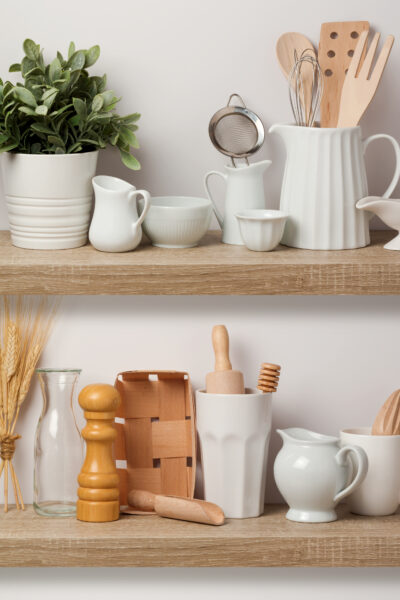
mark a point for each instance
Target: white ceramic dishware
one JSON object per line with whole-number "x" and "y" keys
{"x": 379, "y": 494}
{"x": 313, "y": 474}
{"x": 261, "y": 230}
{"x": 177, "y": 221}
{"x": 323, "y": 180}
{"x": 244, "y": 190}
{"x": 388, "y": 210}
{"x": 49, "y": 198}
{"x": 234, "y": 432}
{"x": 116, "y": 225}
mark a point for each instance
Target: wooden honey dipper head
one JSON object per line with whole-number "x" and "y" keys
{"x": 98, "y": 480}
{"x": 387, "y": 421}
{"x": 269, "y": 377}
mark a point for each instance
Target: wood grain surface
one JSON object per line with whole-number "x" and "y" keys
{"x": 211, "y": 268}
{"x": 27, "y": 540}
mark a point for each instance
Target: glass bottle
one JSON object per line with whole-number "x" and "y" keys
{"x": 58, "y": 445}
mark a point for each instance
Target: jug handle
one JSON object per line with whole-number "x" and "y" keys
{"x": 147, "y": 202}
{"x": 217, "y": 213}
{"x": 362, "y": 468}
{"x": 396, "y": 148}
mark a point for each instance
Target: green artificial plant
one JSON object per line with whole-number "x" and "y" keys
{"x": 61, "y": 109}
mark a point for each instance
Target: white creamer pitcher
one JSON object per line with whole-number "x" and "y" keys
{"x": 324, "y": 179}
{"x": 116, "y": 225}
{"x": 313, "y": 474}
{"x": 244, "y": 189}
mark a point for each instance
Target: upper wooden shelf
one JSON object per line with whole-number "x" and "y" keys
{"x": 27, "y": 540}
{"x": 211, "y": 268}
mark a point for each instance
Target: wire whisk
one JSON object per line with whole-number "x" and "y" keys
{"x": 306, "y": 84}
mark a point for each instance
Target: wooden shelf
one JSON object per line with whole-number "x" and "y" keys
{"x": 27, "y": 540}
{"x": 211, "y": 268}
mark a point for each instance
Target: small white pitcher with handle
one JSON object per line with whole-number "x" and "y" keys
{"x": 244, "y": 189}
{"x": 116, "y": 225}
{"x": 312, "y": 473}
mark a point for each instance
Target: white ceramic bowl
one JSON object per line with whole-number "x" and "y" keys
{"x": 261, "y": 230}
{"x": 177, "y": 221}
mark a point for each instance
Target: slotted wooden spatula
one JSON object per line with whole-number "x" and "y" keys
{"x": 361, "y": 84}
{"x": 336, "y": 48}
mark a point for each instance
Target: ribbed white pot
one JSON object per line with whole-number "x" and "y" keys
{"x": 49, "y": 198}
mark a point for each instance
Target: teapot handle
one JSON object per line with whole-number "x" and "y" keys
{"x": 362, "y": 468}
{"x": 220, "y": 218}
{"x": 396, "y": 148}
{"x": 147, "y": 202}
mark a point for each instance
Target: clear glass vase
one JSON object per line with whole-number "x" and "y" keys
{"x": 58, "y": 445}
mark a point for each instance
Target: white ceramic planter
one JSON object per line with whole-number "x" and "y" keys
{"x": 49, "y": 198}
{"x": 234, "y": 432}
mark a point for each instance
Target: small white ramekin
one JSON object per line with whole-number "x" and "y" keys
{"x": 261, "y": 230}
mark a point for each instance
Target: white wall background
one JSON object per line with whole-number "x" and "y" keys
{"x": 176, "y": 62}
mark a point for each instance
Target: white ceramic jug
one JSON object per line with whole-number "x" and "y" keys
{"x": 312, "y": 473}
{"x": 323, "y": 180}
{"x": 116, "y": 225}
{"x": 244, "y": 189}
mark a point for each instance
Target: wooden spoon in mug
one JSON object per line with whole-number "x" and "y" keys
{"x": 387, "y": 421}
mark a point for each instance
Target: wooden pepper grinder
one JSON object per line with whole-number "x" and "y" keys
{"x": 98, "y": 480}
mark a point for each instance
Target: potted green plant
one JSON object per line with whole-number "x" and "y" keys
{"x": 52, "y": 127}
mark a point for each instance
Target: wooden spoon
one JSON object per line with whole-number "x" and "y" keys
{"x": 290, "y": 45}
{"x": 387, "y": 421}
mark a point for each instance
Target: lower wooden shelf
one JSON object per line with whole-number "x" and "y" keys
{"x": 27, "y": 540}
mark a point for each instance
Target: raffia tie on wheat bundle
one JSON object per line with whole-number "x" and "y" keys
{"x": 25, "y": 325}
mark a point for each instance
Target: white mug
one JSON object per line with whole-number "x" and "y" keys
{"x": 379, "y": 494}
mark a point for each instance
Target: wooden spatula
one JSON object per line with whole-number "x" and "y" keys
{"x": 336, "y": 48}
{"x": 223, "y": 380}
{"x": 387, "y": 421}
{"x": 361, "y": 84}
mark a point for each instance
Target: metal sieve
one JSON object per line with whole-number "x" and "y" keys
{"x": 236, "y": 131}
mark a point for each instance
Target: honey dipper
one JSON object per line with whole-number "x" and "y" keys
{"x": 269, "y": 377}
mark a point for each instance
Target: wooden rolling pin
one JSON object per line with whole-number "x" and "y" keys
{"x": 223, "y": 380}
{"x": 173, "y": 507}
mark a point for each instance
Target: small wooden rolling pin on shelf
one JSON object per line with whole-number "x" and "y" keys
{"x": 224, "y": 380}
{"x": 173, "y": 507}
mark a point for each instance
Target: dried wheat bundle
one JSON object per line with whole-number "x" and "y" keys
{"x": 25, "y": 325}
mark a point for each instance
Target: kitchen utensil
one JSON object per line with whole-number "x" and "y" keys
{"x": 387, "y": 421}
{"x": 268, "y": 379}
{"x": 388, "y": 210}
{"x": 379, "y": 493}
{"x": 324, "y": 179}
{"x": 116, "y": 225}
{"x": 58, "y": 445}
{"x": 336, "y": 48}
{"x": 313, "y": 474}
{"x": 177, "y": 221}
{"x": 306, "y": 85}
{"x": 244, "y": 190}
{"x": 234, "y": 432}
{"x": 223, "y": 380}
{"x": 261, "y": 230}
{"x": 361, "y": 80}
{"x": 98, "y": 480}
{"x": 173, "y": 507}
{"x": 156, "y": 436}
{"x": 236, "y": 131}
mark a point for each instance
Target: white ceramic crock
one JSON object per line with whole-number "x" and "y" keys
{"x": 261, "y": 230}
{"x": 379, "y": 494}
{"x": 324, "y": 178}
{"x": 177, "y": 221}
{"x": 49, "y": 198}
{"x": 234, "y": 432}
{"x": 313, "y": 473}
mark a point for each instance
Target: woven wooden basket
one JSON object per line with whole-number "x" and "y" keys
{"x": 156, "y": 434}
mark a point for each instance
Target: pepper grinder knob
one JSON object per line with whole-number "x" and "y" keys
{"x": 98, "y": 480}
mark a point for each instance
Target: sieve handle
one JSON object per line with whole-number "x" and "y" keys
{"x": 220, "y": 218}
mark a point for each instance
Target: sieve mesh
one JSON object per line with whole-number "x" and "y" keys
{"x": 236, "y": 134}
